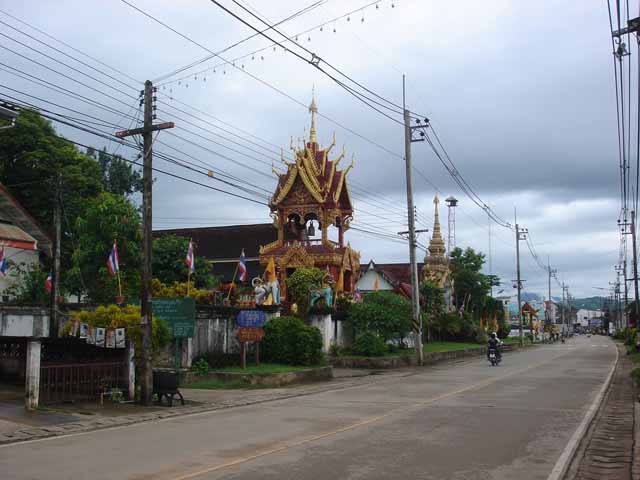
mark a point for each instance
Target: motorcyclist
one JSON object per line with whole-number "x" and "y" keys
{"x": 494, "y": 343}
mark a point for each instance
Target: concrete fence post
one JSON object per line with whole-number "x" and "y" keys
{"x": 32, "y": 380}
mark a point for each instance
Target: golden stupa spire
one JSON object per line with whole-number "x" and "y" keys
{"x": 436, "y": 218}
{"x": 436, "y": 245}
{"x": 313, "y": 109}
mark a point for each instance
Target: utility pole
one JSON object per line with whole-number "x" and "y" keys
{"x": 565, "y": 288}
{"x": 490, "y": 262}
{"x": 551, "y": 271}
{"x": 54, "y": 324}
{"x": 146, "y": 308}
{"x": 520, "y": 235}
{"x": 415, "y": 292}
{"x": 635, "y": 267}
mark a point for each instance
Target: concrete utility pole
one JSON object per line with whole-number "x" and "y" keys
{"x": 565, "y": 288}
{"x": 551, "y": 271}
{"x": 415, "y": 291}
{"x": 520, "y": 235}
{"x": 635, "y": 266}
{"x": 54, "y": 324}
{"x": 147, "y": 130}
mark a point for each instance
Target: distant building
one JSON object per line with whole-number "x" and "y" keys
{"x": 589, "y": 318}
{"x": 222, "y": 246}
{"x": 394, "y": 277}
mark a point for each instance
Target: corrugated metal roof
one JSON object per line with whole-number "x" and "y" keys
{"x": 11, "y": 232}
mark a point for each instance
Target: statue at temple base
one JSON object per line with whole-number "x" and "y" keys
{"x": 325, "y": 292}
{"x": 260, "y": 290}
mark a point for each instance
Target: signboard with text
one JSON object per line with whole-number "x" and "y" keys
{"x": 251, "y": 318}
{"x": 250, "y": 334}
{"x": 179, "y": 313}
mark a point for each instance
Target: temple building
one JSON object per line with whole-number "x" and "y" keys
{"x": 311, "y": 210}
{"x": 436, "y": 263}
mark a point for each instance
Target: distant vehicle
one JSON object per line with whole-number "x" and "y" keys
{"x": 494, "y": 358}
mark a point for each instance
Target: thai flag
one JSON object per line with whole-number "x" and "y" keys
{"x": 48, "y": 283}
{"x": 242, "y": 267}
{"x": 112, "y": 261}
{"x": 3, "y": 262}
{"x": 191, "y": 259}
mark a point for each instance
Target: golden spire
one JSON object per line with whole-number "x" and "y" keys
{"x": 313, "y": 109}
{"x": 436, "y": 245}
{"x": 436, "y": 218}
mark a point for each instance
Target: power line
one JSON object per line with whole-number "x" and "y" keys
{"x": 306, "y": 9}
{"x": 69, "y": 46}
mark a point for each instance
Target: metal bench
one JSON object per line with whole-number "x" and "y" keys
{"x": 166, "y": 384}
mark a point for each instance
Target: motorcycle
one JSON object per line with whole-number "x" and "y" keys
{"x": 494, "y": 358}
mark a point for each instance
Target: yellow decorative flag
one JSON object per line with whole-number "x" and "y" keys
{"x": 270, "y": 271}
{"x": 376, "y": 285}
{"x": 340, "y": 286}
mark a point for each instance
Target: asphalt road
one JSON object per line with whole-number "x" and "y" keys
{"x": 456, "y": 421}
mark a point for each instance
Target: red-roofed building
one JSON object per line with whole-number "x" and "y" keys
{"x": 394, "y": 277}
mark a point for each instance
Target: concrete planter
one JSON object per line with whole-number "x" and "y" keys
{"x": 410, "y": 360}
{"x": 266, "y": 379}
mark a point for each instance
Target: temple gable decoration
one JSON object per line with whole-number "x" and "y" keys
{"x": 310, "y": 198}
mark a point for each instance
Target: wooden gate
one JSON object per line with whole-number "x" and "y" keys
{"x": 72, "y": 370}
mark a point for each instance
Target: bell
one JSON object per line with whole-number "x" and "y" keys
{"x": 311, "y": 231}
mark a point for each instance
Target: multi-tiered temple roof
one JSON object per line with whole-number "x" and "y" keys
{"x": 311, "y": 196}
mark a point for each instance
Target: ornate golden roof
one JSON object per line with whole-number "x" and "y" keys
{"x": 320, "y": 176}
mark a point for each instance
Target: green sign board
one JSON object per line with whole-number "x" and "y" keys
{"x": 179, "y": 313}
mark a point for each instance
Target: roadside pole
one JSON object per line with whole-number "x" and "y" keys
{"x": 415, "y": 291}
{"x": 146, "y": 131}
{"x": 54, "y": 323}
{"x": 520, "y": 235}
{"x": 635, "y": 267}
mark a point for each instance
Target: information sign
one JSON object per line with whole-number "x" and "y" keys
{"x": 251, "y": 318}
{"x": 179, "y": 313}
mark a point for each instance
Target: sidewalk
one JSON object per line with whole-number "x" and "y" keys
{"x": 607, "y": 451}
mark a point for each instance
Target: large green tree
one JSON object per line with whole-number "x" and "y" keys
{"x": 433, "y": 308}
{"x": 118, "y": 176}
{"x": 108, "y": 217}
{"x": 35, "y": 161}
{"x": 386, "y": 314}
{"x": 471, "y": 286}
{"x": 169, "y": 253}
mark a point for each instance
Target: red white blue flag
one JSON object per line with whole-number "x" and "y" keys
{"x": 48, "y": 283}
{"x": 191, "y": 259}
{"x": 113, "y": 260}
{"x": 3, "y": 262}
{"x": 242, "y": 267}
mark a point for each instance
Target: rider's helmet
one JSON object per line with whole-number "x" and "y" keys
{"x": 493, "y": 335}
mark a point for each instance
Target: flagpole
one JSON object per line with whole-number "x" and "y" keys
{"x": 192, "y": 257}
{"x": 232, "y": 281}
{"x": 118, "y": 272}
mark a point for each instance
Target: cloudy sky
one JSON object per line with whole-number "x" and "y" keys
{"x": 520, "y": 93}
